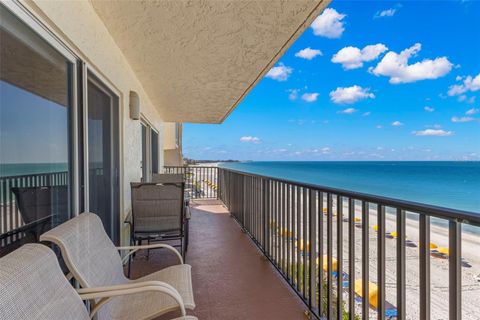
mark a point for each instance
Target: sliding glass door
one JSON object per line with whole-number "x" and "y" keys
{"x": 144, "y": 164}
{"x": 37, "y": 105}
{"x": 154, "y": 148}
{"x": 103, "y": 162}
{"x": 150, "y": 161}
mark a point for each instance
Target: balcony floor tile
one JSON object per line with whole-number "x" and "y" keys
{"x": 230, "y": 278}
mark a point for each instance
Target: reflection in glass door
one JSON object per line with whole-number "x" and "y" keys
{"x": 103, "y": 184}
{"x": 36, "y": 106}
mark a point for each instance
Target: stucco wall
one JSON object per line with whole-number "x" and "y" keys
{"x": 169, "y": 129}
{"x": 77, "y": 24}
{"x": 173, "y": 157}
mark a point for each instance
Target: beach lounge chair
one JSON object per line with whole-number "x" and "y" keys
{"x": 158, "y": 212}
{"x": 32, "y": 286}
{"x": 94, "y": 261}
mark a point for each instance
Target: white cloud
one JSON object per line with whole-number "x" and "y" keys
{"x": 379, "y": 126}
{"x": 462, "y": 119}
{"x": 279, "y": 73}
{"x": 310, "y": 97}
{"x": 326, "y": 150}
{"x": 397, "y": 124}
{"x": 385, "y": 13}
{"x": 469, "y": 84}
{"x": 472, "y": 112}
{"x": 429, "y": 109}
{"x": 396, "y": 66}
{"x": 293, "y": 94}
{"x": 353, "y": 57}
{"x": 366, "y": 114}
{"x": 329, "y": 24}
{"x": 433, "y": 132}
{"x": 348, "y": 111}
{"x": 250, "y": 139}
{"x": 350, "y": 95}
{"x": 308, "y": 53}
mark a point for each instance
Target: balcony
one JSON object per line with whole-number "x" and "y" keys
{"x": 231, "y": 278}
{"x": 379, "y": 243}
{"x": 266, "y": 248}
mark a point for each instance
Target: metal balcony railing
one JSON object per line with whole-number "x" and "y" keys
{"x": 300, "y": 228}
{"x": 12, "y": 226}
{"x": 200, "y": 181}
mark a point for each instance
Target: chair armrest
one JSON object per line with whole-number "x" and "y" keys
{"x": 105, "y": 294}
{"x": 133, "y": 249}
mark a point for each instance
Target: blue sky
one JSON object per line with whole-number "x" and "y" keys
{"x": 367, "y": 81}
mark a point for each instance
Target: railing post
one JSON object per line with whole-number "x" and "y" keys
{"x": 313, "y": 248}
{"x": 455, "y": 270}
{"x": 401, "y": 265}
{"x": 381, "y": 261}
{"x": 424, "y": 267}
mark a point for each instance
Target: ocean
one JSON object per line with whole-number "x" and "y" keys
{"x": 450, "y": 184}
{"x": 16, "y": 169}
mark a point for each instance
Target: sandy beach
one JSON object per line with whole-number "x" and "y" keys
{"x": 438, "y": 268}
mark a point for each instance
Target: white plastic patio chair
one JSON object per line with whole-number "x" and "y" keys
{"x": 32, "y": 286}
{"x": 94, "y": 261}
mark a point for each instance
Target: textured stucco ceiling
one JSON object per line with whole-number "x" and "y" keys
{"x": 198, "y": 59}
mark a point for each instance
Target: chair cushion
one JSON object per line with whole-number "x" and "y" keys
{"x": 149, "y": 305}
{"x": 32, "y": 286}
{"x": 178, "y": 276}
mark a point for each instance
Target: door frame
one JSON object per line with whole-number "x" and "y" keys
{"x": 148, "y": 146}
{"x": 89, "y": 74}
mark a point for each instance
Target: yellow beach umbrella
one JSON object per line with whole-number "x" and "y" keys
{"x": 444, "y": 250}
{"x": 286, "y": 233}
{"x": 325, "y": 263}
{"x": 393, "y": 234}
{"x": 357, "y": 219}
{"x": 432, "y": 245}
{"x": 300, "y": 245}
{"x": 375, "y": 227}
{"x": 372, "y": 292}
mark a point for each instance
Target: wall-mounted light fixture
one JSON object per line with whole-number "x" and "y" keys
{"x": 134, "y": 106}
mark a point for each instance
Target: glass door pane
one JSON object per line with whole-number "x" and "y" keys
{"x": 35, "y": 135}
{"x": 154, "y": 141}
{"x": 143, "y": 164}
{"x": 103, "y": 156}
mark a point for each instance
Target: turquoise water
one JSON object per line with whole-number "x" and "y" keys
{"x": 451, "y": 184}
{"x": 16, "y": 169}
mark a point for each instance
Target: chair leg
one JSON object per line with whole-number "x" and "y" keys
{"x": 187, "y": 237}
{"x": 148, "y": 250}
{"x": 182, "y": 248}
{"x": 129, "y": 266}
